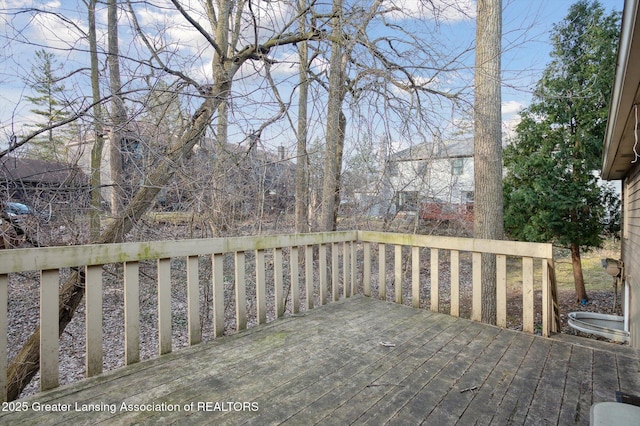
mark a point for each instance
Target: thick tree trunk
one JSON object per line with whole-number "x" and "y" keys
{"x": 340, "y": 150}
{"x": 302, "y": 160}
{"x": 578, "y": 278}
{"x": 118, "y": 113}
{"x": 98, "y": 143}
{"x": 334, "y": 109}
{"x": 488, "y": 204}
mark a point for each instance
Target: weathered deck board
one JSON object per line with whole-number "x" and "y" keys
{"x": 328, "y": 367}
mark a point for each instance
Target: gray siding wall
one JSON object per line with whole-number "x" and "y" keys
{"x": 631, "y": 248}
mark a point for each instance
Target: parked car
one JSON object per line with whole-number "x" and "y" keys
{"x": 15, "y": 210}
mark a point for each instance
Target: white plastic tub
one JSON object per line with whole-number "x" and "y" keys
{"x": 611, "y": 327}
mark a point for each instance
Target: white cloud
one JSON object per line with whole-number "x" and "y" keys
{"x": 510, "y": 108}
{"x": 51, "y": 31}
{"x": 438, "y": 10}
{"x": 511, "y": 117}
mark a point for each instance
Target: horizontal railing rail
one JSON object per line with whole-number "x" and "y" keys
{"x": 295, "y": 270}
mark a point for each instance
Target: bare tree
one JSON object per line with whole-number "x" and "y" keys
{"x": 25, "y": 365}
{"x": 488, "y": 205}
{"x": 302, "y": 159}
{"x": 96, "y": 150}
{"x": 335, "y": 120}
{"x": 118, "y": 113}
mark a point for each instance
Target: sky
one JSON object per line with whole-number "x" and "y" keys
{"x": 526, "y": 29}
{"x": 524, "y": 62}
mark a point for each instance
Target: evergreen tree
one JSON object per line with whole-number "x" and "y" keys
{"x": 49, "y": 104}
{"x": 551, "y": 189}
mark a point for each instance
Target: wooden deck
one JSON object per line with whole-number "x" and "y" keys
{"x": 328, "y": 366}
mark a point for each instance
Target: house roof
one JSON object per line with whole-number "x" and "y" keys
{"x": 436, "y": 150}
{"x": 622, "y": 127}
{"x": 29, "y": 170}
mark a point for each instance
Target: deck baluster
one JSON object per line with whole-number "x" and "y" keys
{"x": 131, "y": 313}
{"x": 366, "y": 272}
{"x": 335, "y": 272}
{"x": 164, "y": 306}
{"x": 217, "y": 263}
{"x": 397, "y": 282}
{"x": 323, "y": 274}
{"x": 4, "y": 303}
{"x": 501, "y": 290}
{"x": 354, "y": 268}
{"x": 193, "y": 300}
{"x": 415, "y": 276}
{"x": 295, "y": 279}
{"x": 435, "y": 279}
{"x": 49, "y": 282}
{"x": 278, "y": 281}
{"x": 455, "y": 283}
{"x": 527, "y": 295}
{"x": 241, "y": 291}
{"x": 308, "y": 274}
{"x": 382, "y": 272}
{"x": 93, "y": 319}
{"x": 261, "y": 290}
{"x": 476, "y": 290}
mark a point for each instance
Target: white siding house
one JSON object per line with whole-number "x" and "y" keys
{"x": 437, "y": 172}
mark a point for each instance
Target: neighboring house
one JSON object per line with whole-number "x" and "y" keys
{"x": 260, "y": 179}
{"x": 621, "y": 156}
{"x": 132, "y": 162}
{"x": 40, "y": 183}
{"x": 434, "y": 178}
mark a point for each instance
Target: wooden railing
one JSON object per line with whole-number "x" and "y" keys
{"x": 321, "y": 267}
{"x": 528, "y": 253}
